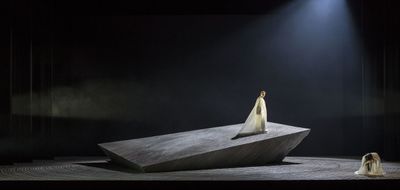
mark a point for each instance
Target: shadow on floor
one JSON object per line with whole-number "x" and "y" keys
{"x": 116, "y": 167}
{"x": 110, "y": 166}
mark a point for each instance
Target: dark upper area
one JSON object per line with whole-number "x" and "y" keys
{"x": 77, "y": 73}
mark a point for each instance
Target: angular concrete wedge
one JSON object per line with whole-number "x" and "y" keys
{"x": 206, "y": 148}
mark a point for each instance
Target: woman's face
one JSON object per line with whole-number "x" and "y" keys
{"x": 262, "y": 94}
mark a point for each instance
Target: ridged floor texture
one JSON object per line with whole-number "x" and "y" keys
{"x": 292, "y": 168}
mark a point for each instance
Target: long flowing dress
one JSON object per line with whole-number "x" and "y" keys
{"x": 371, "y": 165}
{"x": 256, "y": 122}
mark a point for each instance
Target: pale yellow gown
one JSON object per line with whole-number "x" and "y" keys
{"x": 256, "y": 122}
{"x": 371, "y": 167}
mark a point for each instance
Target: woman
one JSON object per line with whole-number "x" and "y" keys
{"x": 371, "y": 165}
{"x": 256, "y": 122}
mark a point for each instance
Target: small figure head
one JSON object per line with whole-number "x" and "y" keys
{"x": 369, "y": 157}
{"x": 262, "y": 94}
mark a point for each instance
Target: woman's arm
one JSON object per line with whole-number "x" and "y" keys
{"x": 258, "y": 108}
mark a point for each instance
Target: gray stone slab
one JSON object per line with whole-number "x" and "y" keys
{"x": 206, "y": 148}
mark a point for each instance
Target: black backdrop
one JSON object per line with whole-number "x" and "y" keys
{"x": 76, "y": 74}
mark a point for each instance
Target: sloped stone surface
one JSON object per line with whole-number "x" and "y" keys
{"x": 206, "y": 148}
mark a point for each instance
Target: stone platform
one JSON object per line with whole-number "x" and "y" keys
{"x": 205, "y": 148}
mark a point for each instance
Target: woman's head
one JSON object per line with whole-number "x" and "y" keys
{"x": 262, "y": 94}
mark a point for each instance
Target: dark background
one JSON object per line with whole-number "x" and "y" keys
{"x": 74, "y": 74}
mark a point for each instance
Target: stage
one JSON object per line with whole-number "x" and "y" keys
{"x": 293, "y": 172}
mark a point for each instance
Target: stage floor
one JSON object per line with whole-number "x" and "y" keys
{"x": 293, "y": 169}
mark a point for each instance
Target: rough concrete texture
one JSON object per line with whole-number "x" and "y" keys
{"x": 206, "y": 148}
{"x": 292, "y": 169}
